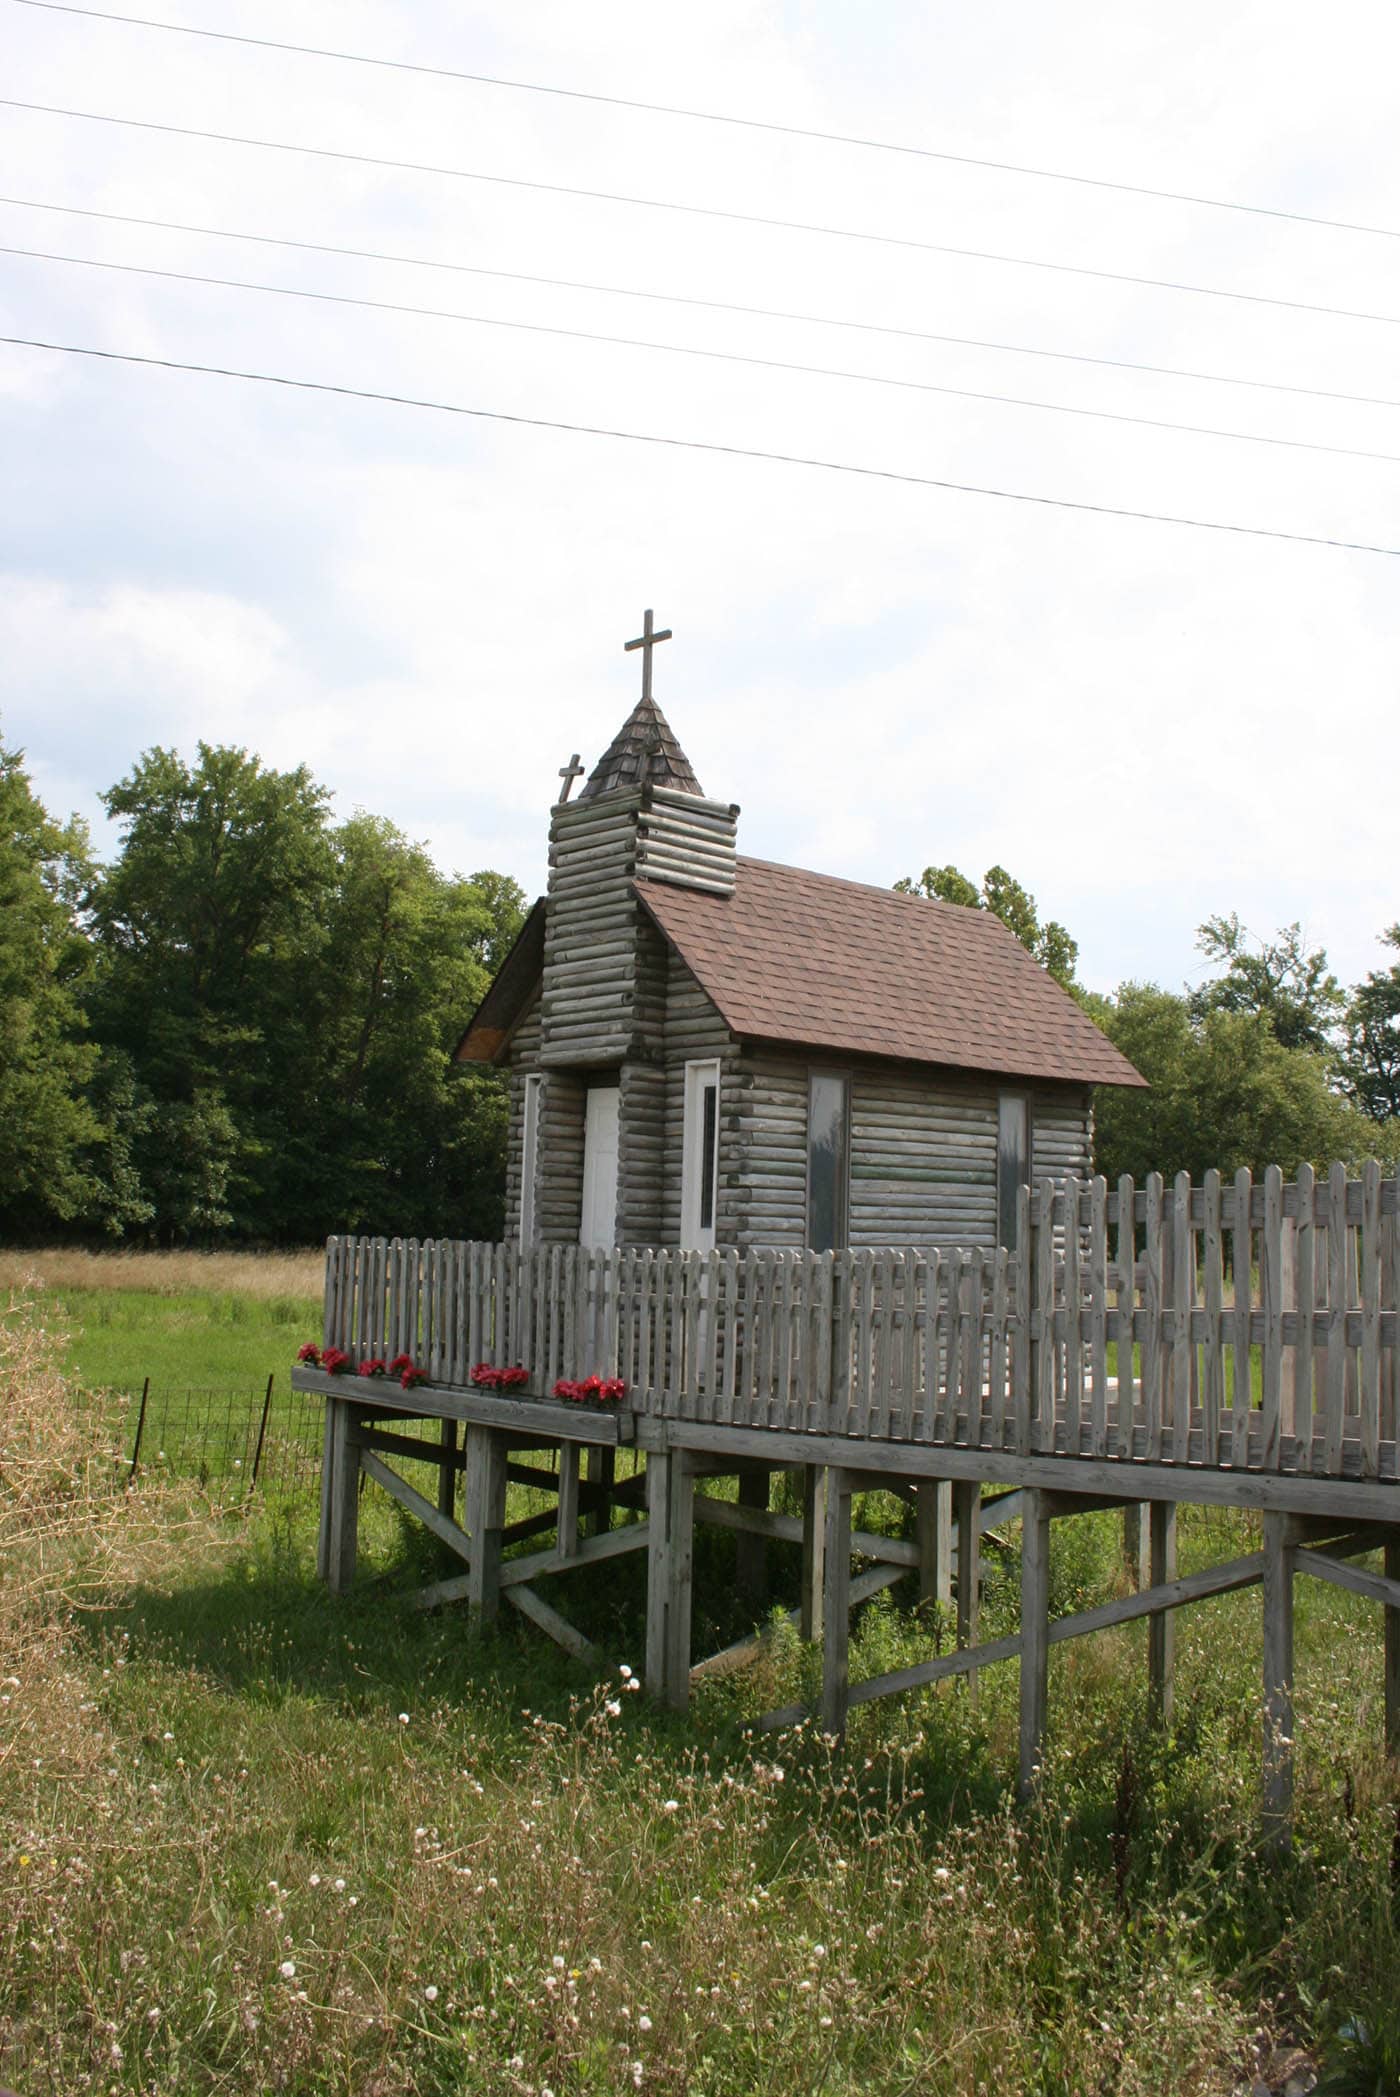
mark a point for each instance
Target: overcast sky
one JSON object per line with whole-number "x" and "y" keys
{"x": 1146, "y": 723}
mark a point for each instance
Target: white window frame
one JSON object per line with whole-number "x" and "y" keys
{"x": 529, "y": 1156}
{"x": 700, "y": 1074}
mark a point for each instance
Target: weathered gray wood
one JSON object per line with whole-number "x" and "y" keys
{"x": 815, "y": 1489}
{"x": 1172, "y": 1594}
{"x": 933, "y": 1531}
{"x": 1335, "y": 1402}
{"x": 659, "y": 1463}
{"x": 568, "y": 1537}
{"x": 1241, "y": 1261}
{"x": 1278, "y": 1681}
{"x": 344, "y": 1499}
{"x": 836, "y": 1605}
{"x": 758, "y": 1522}
{"x": 1161, "y": 1629}
{"x": 1034, "y": 1639}
{"x": 1135, "y": 1533}
{"x": 1183, "y": 1294}
{"x": 485, "y": 1512}
{"x": 1098, "y": 1314}
{"x": 967, "y": 1493}
{"x": 1376, "y": 1587}
{"x": 1152, "y": 1277}
{"x": 1369, "y": 1382}
{"x": 534, "y": 1565}
{"x": 550, "y": 1622}
{"x": 680, "y": 1570}
{"x": 326, "y": 1526}
{"x": 966, "y": 1661}
{"x": 1213, "y": 1367}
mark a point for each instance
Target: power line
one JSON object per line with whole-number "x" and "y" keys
{"x": 676, "y": 298}
{"x": 681, "y": 349}
{"x": 732, "y": 451}
{"x": 712, "y": 116}
{"x": 710, "y": 211}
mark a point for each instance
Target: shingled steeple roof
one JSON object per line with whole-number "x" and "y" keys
{"x": 644, "y": 752}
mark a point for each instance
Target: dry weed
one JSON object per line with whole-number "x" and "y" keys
{"x": 258, "y": 1274}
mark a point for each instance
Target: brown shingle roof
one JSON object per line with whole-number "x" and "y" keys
{"x": 830, "y": 964}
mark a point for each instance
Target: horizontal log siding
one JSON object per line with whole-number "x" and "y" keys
{"x": 695, "y": 1029}
{"x": 683, "y": 839}
{"x": 641, "y": 1159}
{"x": 923, "y": 1159}
{"x": 590, "y": 944}
{"x": 766, "y": 1186}
{"x": 1062, "y": 1132}
{"x": 524, "y": 1058}
{"x": 559, "y": 1183}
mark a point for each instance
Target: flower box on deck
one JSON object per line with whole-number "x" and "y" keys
{"x": 552, "y": 1419}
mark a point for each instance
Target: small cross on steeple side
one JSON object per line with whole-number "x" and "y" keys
{"x": 569, "y": 773}
{"x": 646, "y": 641}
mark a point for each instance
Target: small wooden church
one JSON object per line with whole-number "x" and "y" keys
{"x": 707, "y": 1050}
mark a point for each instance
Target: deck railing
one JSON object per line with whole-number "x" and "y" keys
{"x": 1238, "y": 1324}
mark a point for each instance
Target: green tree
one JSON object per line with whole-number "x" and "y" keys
{"x": 1005, "y": 897}
{"x": 1294, "y": 990}
{"x": 209, "y": 925}
{"x": 1224, "y": 1092}
{"x": 50, "y": 1134}
{"x": 1371, "y": 1056}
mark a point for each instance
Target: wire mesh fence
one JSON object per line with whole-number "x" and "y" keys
{"x": 229, "y": 1438}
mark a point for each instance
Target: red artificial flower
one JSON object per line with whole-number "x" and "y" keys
{"x": 412, "y": 1376}
{"x": 334, "y": 1360}
{"x": 373, "y": 1367}
{"x": 310, "y": 1354}
{"x": 400, "y": 1363}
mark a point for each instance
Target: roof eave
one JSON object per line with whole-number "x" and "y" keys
{"x": 488, "y": 1032}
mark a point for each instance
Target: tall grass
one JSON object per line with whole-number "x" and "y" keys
{"x": 254, "y": 1839}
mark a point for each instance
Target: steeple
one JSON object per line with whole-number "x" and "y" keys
{"x": 644, "y": 752}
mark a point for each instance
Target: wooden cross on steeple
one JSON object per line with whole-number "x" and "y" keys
{"x": 646, "y": 641}
{"x": 569, "y": 773}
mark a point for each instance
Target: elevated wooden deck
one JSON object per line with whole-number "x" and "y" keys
{"x": 1229, "y": 1343}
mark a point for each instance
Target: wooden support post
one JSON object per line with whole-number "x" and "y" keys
{"x": 967, "y": 1501}
{"x": 567, "y": 1531}
{"x": 486, "y": 1513}
{"x": 447, "y": 1471}
{"x": 1278, "y": 1681}
{"x": 659, "y": 1463}
{"x": 681, "y": 1566}
{"x": 602, "y": 1473}
{"x": 815, "y": 1494}
{"x": 1161, "y": 1625}
{"x": 836, "y": 1602}
{"x": 1392, "y": 1656}
{"x": 1035, "y": 1635}
{"x": 1136, "y": 1553}
{"x": 344, "y": 1496}
{"x": 750, "y": 1551}
{"x": 933, "y": 1532}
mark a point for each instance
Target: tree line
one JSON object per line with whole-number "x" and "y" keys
{"x": 1270, "y": 1061}
{"x": 242, "y": 1026}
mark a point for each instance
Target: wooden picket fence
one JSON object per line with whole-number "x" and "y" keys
{"x": 1243, "y": 1325}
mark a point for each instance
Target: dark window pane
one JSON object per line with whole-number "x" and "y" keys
{"x": 827, "y": 1118}
{"x": 709, "y": 1124}
{"x": 1013, "y": 1162}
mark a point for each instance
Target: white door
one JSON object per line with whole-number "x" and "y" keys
{"x": 598, "y": 1224}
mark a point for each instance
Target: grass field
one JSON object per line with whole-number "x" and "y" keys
{"x": 252, "y": 1839}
